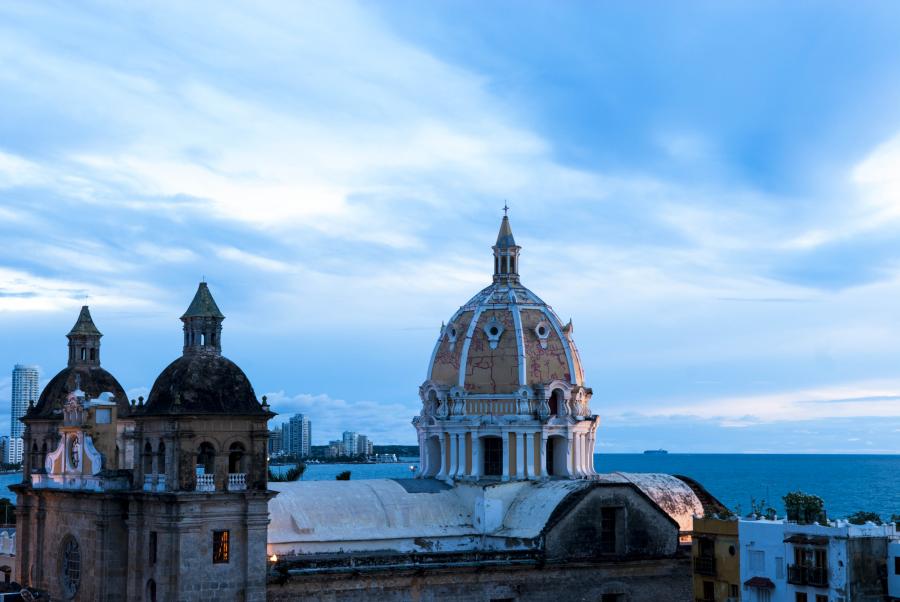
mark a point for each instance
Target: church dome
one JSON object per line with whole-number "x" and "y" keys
{"x": 202, "y": 381}
{"x": 505, "y": 337}
{"x": 93, "y": 380}
{"x": 202, "y": 384}
{"x": 83, "y": 371}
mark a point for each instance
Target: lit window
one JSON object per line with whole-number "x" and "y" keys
{"x": 220, "y": 547}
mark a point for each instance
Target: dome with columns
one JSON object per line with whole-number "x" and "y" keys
{"x": 505, "y": 363}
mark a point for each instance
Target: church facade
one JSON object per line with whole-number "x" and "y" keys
{"x": 159, "y": 500}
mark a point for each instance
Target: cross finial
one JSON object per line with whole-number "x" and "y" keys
{"x": 203, "y": 278}
{"x": 505, "y": 209}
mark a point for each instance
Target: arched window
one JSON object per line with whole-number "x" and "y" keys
{"x": 70, "y": 566}
{"x": 236, "y": 458}
{"x": 93, "y": 354}
{"x": 557, "y": 401}
{"x": 161, "y": 458}
{"x": 151, "y": 591}
{"x": 35, "y": 457}
{"x": 148, "y": 458}
{"x": 43, "y": 457}
{"x": 206, "y": 458}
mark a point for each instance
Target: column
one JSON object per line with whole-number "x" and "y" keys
{"x": 463, "y": 454}
{"x": 520, "y": 455}
{"x": 570, "y": 464}
{"x": 589, "y": 454}
{"x": 529, "y": 455}
{"x": 423, "y": 456}
{"x": 576, "y": 454}
{"x": 505, "y": 436}
{"x": 454, "y": 455}
{"x": 477, "y": 462}
{"x": 543, "y": 459}
{"x": 442, "y": 474}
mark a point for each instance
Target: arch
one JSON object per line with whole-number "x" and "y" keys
{"x": 161, "y": 458}
{"x": 433, "y": 449}
{"x": 69, "y": 566}
{"x": 43, "y": 456}
{"x": 7, "y": 573}
{"x": 151, "y": 591}
{"x": 148, "y": 458}
{"x": 557, "y": 402}
{"x": 556, "y": 456}
{"x": 236, "y": 455}
{"x": 206, "y": 458}
{"x": 491, "y": 455}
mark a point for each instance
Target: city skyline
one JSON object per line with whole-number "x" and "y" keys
{"x": 721, "y": 226}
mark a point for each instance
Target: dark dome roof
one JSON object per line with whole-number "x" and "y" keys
{"x": 94, "y": 381}
{"x": 202, "y": 383}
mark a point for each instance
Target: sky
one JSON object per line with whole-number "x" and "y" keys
{"x": 711, "y": 191}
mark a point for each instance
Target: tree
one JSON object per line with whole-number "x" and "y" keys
{"x": 804, "y": 508}
{"x": 862, "y": 517}
{"x": 291, "y": 474}
{"x": 344, "y": 476}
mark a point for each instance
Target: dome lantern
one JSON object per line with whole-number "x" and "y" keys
{"x": 506, "y": 253}
{"x": 203, "y": 324}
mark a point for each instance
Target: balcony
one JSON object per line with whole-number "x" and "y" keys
{"x": 816, "y": 576}
{"x": 206, "y": 482}
{"x": 705, "y": 565}
{"x": 237, "y": 481}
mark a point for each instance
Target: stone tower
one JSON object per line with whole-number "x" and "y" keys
{"x": 504, "y": 397}
{"x": 163, "y": 500}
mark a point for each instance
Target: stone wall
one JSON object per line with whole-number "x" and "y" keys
{"x": 638, "y": 581}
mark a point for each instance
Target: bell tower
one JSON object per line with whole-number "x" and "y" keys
{"x": 203, "y": 324}
{"x": 84, "y": 341}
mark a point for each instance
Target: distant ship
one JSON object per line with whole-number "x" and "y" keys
{"x": 655, "y": 452}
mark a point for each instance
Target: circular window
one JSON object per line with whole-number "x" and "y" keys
{"x": 70, "y": 566}
{"x": 453, "y": 332}
{"x": 731, "y": 550}
{"x": 494, "y": 330}
{"x": 542, "y": 331}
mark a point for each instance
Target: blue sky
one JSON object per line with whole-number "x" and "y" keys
{"x": 711, "y": 191}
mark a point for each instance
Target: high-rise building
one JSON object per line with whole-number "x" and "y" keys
{"x": 24, "y": 390}
{"x": 275, "y": 445}
{"x": 350, "y": 441}
{"x": 363, "y": 445}
{"x": 14, "y": 448}
{"x": 298, "y": 443}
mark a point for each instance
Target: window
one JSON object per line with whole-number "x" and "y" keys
{"x": 763, "y": 595}
{"x": 757, "y": 560}
{"x": 221, "y": 547}
{"x": 608, "y": 530}
{"x": 897, "y": 565}
{"x": 709, "y": 591}
{"x": 103, "y": 416}
{"x": 734, "y": 591}
{"x": 800, "y": 597}
{"x": 779, "y": 567}
{"x": 161, "y": 458}
{"x": 151, "y": 590}
{"x": 821, "y": 598}
{"x": 235, "y": 458}
{"x": 611, "y": 598}
{"x": 493, "y": 456}
{"x": 70, "y": 566}
{"x": 152, "y": 552}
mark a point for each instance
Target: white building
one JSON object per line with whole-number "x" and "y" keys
{"x": 350, "y": 443}
{"x": 893, "y": 567}
{"x": 299, "y": 430}
{"x": 783, "y": 561}
{"x": 24, "y": 391}
{"x": 14, "y": 448}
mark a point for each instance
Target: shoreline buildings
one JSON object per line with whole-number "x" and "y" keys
{"x": 24, "y": 392}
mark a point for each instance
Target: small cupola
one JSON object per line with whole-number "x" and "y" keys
{"x": 506, "y": 253}
{"x": 203, "y": 324}
{"x": 84, "y": 341}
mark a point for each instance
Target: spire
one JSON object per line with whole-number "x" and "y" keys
{"x": 506, "y": 252}
{"x": 203, "y": 305}
{"x": 203, "y": 324}
{"x": 84, "y": 340}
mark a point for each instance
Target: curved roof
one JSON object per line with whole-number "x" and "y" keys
{"x": 202, "y": 383}
{"x": 530, "y": 344}
{"x": 93, "y": 380}
{"x": 676, "y": 497}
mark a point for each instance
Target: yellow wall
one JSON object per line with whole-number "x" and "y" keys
{"x": 724, "y": 534}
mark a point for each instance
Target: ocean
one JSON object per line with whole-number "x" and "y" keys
{"x": 847, "y": 483}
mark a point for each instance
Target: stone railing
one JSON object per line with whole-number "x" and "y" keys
{"x": 206, "y": 482}
{"x": 480, "y": 407}
{"x": 237, "y": 481}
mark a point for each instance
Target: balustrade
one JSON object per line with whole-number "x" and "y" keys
{"x": 206, "y": 482}
{"x": 237, "y": 481}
